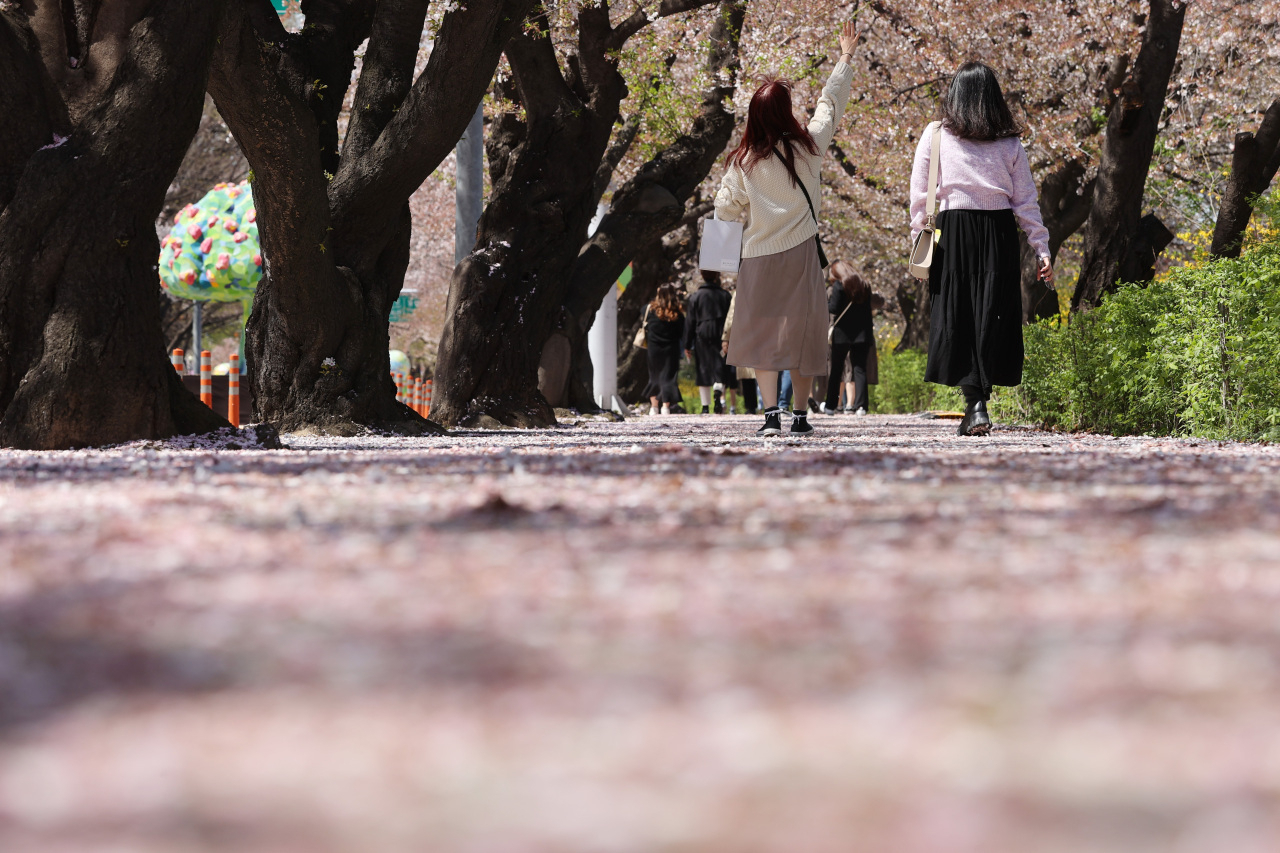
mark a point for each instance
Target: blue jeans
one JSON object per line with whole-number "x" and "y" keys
{"x": 784, "y": 393}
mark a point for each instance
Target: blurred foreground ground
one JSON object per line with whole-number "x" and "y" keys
{"x": 663, "y": 635}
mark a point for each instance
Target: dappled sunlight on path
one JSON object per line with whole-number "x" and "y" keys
{"x": 664, "y": 634}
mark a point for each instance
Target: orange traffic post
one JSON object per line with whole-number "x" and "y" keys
{"x": 427, "y": 404}
{"x": 233, "y": 391}
{"x": 399, "y": 387}
{"x": 206, "y": 378}
{"x": 417, "y": 394}
{"x": 178, "y": 362}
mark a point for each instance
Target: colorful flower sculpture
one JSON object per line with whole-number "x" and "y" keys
{"x": 212, "y": 253}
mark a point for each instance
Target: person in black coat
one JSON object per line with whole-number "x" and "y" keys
{"x": 852, "y": 336}
{"x": 664, "y": 330}
{"x": 704, "y": 319}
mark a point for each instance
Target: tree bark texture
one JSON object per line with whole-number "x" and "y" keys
{"x": 1111, "y": 253}
{"x": 1065, "y": 200}
{"x": 1254, "y": 164}
{"x": 334, "y": 221}
{"x": 506, "y": 297}
{"x": 100, "y": 101}
{"x": 653, "y": 202}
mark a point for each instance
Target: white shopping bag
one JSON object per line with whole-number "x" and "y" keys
{"x": 721, "y": 246}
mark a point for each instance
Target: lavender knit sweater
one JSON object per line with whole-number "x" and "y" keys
{"x": 979, "y": 176}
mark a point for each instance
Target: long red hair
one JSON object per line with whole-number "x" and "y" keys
{"x": 770, "y": 121}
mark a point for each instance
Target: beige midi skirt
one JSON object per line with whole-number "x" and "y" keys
{"x": 780, "y": 319}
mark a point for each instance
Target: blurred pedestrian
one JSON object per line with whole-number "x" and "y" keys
{"x": 985, "y": 193}
{"x": 772, "y": 184}
{"x": 705, "y": 313}
{"x": 852, "y": 336}
{"x": 664, "y": 330}
{"x": 745, "y": 376}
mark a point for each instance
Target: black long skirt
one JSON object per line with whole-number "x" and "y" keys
{"x": 664, "y": 368}
{"x": 710, "y": 364}
{"x": 975, "y": 333}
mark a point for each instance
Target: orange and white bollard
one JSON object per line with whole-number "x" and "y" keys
{"x": 206, "y": 378}
{"x": 233, "y": 391}
{"x": 399, "y": 377}
{"x": 426, "y": 404}
{"x": 178, "y": 362}
{"x": 417, "y": 394}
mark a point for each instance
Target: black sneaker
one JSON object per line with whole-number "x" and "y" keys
{"x": 800, "y": 424}
{"x": 772, "y": 422}
{"x": 706, "y": 410}
{"x": 976, "y": 420}
{"x": 813, "y": 405}
{"x": 718, "y": 406}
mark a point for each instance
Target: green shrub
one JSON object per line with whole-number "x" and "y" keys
{"x": 902, "y": 389}
{"x": 1194, "y": 353}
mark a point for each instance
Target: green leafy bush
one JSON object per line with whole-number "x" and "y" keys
{"x": 902, "y": 389}
{"x": 1194, "y": 353}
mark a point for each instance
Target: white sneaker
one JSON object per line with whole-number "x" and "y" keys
{"x": 653, "y": 410}
{"x": 666, "y": 408}
{"x": 860, "y": 412}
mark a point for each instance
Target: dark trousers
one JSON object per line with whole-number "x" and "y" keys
{"x": 749, "y": 394}
{"x": 858, "y": 354}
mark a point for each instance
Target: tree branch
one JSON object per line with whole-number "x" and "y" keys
{"x": 432, "y": 119}
{"x": 335, "y": 28}
{"x": 639, "y": 19}
{"x": 387, "y": 73}
{"x": 617, "y": 150}
{"x": 536, "y": 69}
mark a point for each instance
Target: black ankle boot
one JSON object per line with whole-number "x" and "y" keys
{"x": 976, "y": 420}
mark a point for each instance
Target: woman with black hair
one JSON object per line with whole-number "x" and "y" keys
{"x": 985, "y": 192}
{"x": 852, "y": 335}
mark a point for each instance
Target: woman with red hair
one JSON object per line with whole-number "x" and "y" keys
{"x": 772, "y": 184}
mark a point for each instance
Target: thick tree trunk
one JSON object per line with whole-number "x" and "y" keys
{"x": 1112, "y": 230}
{"x": 507, "y": 296}
{"x": 87, "y": 150}
{"x": 335, "y": 225}
{"x": 1254, "y": 164}
{"x": 1065, "y": 200}
{"x": 653, "y": 202}
{"x": 915, "y": 301}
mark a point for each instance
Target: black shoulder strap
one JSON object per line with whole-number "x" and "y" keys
{"x": 796, "y": 178}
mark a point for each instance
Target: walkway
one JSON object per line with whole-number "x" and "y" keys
{"x": 662, "y": 635}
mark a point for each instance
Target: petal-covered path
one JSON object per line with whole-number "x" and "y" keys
{"x": 659, "y": 635}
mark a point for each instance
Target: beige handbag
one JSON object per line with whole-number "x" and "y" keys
{"x": 641, "y": 340}
{"x": 922, "y": 249}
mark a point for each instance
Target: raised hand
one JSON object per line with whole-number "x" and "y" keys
{"x": 848, "y": 38}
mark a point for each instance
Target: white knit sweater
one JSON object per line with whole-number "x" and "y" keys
{"x": 777, "y": 216}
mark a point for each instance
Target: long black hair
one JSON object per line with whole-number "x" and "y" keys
{"x": 975, "y": 108}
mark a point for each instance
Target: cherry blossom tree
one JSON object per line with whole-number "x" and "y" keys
{"x": 333, "y": 207}
{"x": 568, "y": 84}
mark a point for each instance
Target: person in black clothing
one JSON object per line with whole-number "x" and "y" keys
{"x": 704, "y": 319}
{"x": 852, "y": 337}
{"x": 663, "y": 331}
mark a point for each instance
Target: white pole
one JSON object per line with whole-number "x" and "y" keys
{"x": 469, "y": 196}
{"x": 197, "y": 330}
{"x": 602, "y": 340}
